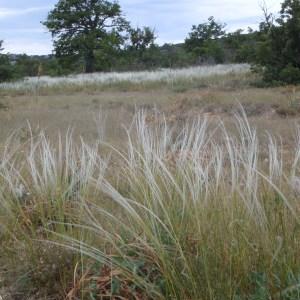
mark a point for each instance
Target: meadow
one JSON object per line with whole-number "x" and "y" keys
{"x": 178, "y": 184}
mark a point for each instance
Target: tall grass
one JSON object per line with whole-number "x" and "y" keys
{"x": 122, "y": 79}
{"x": 190, "y": 212}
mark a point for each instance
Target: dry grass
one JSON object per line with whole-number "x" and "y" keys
{"x": 58, "y": 109}
{"x": 190, "y": 202}
{"x": 179, "y": 212}
{"x": 106, "y": 80}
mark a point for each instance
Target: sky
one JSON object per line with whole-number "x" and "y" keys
{"x": 22, "y": 31}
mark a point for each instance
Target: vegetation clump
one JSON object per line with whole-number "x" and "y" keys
{"x": 182, "y": 212}
{"x": 278, "y": 51}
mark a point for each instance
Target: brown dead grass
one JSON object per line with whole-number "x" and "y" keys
{"x": 274, "y": 109}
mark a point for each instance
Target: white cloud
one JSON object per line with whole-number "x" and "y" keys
{"x": 6, "y": 12}
{"x": 31, "y": 47}
{"x": 22, "y": 30}
{"x": 172, "y": 19}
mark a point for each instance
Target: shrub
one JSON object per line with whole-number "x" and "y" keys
{"x": 290, "y": 74}
{"x": 278, "y": 50}
{"x": 6, "y": 69}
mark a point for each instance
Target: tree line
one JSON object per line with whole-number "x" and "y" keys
{"x": 93, "y": 35}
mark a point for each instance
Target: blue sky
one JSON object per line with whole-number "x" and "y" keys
{"x": 22, "y": 32}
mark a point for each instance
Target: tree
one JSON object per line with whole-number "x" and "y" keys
{"x": 266, "y": 25}
{"x": 26, "y": 65}
{"x": 240, "y": 45}
{"x": 203, "y": 40}
{"x": 290, "y": 23}
{"x": 6, "y": 68}
{"x": 141, "y": 39}
{"x": 278, "y": 52}
{"x": 80, "y": 27}
{"x": 141, "y": 50}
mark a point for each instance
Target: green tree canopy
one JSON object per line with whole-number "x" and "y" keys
{"x": 80, "y": 27}
{"x": 141, "y": 39}
{"x": 6, "y": 68}
{"x": 203, "y": 40}
{"x": 278, "y": 51}
{"x": 240, "y": 45}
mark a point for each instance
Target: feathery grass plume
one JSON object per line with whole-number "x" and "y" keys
{"x": 180, "y": 214}
{"x": 166, "y": 76}
{"x": 41, "y": 187}
{"x": 190, "y": 211}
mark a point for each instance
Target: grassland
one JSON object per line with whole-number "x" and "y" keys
{"x": 151, "y": 189}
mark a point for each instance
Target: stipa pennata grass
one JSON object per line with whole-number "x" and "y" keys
{"x": 188, "y": 212}
{"x": 170, "y": 76}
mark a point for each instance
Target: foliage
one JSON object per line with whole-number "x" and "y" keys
{"x": 278, "y": 51}
{"x": 241, "y": 45}
{"x": 80, "y": 27}
{"x": 6, "y": 68}
{"x": 27, "y": 66}
{"x": 175, "y": 56}
{"x": 92, "y": 35}
{"x": 54, "y": 66}
{"x": 141, "y": 39}
{"x": 203, "y": 40}
{"x": 132, "y": 55}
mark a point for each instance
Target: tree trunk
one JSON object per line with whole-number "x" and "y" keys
{"x": 90, "y": 62}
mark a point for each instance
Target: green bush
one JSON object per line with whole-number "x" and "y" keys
{"x": 6, "y": 69}
{"x": 290, "y": 74}
{"x": 278, "y": 47}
